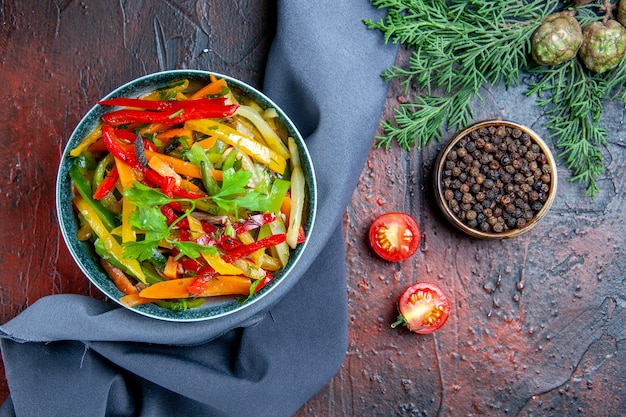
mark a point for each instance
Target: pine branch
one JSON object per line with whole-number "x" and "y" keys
{"x": 573, "y": 102}
{"x": 459, "y": 47}
{"x": 416, "y": 124}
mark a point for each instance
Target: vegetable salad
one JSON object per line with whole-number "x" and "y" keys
{"x": 189, "y": 192}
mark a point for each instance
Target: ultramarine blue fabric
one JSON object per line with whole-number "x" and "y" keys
{"x": 70, "y": 355}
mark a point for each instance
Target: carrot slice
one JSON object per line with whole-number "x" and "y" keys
{"x": 179, "y": 288}
{"x": 132, "y": 300}
{"x": 180, "y": 132}
{"x": 179, "y": 166}
{"x": 119, "y": 278}
{"x": 213, "y": 88}
{"x": 171, "y": 268}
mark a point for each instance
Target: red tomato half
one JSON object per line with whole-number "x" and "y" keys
{"x": 424, "y": 308}
{"x": 394, "y": 236}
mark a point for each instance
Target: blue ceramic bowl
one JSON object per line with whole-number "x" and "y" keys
{"x": 83, "y": 252}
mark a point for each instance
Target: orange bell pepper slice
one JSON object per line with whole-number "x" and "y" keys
{"x": 179, "y": 288}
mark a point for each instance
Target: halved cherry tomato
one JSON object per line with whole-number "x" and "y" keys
{"x": 424, "y": 308}
{"x": 394, "y": 236}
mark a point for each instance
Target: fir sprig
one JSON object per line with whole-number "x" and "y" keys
{"x": 573, "y": 110}
{"x": 459, "y": 47}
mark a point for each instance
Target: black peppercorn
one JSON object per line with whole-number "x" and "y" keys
{"x": 496, "y": 179}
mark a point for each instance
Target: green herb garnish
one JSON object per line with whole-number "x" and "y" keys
{"x": 232, "y": 196}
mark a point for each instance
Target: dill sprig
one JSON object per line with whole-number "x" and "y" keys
{"x": 459, "y": 47}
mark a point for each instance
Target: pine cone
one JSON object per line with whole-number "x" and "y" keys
{"x": 621, "y": 12}
{"x": 557, "y": 39}
{"x": 603, "y": 45}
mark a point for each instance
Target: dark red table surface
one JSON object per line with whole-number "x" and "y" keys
{"x": 538, "y": 326}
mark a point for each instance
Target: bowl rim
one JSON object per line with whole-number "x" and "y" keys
{"x": 83, "y": 255}
{"x": 438, "y": 187}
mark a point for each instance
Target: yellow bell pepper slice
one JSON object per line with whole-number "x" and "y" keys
{"x": 127, "y": 178}
{"x": 93, "y": 136}
{"x": 90, "y": 216}
{"x": 221, "y": 266}
{"x": 270, "y": 137}
{"x": 247, "y": 145}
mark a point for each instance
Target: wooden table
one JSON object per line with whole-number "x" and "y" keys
{"x": 539, "y": 322}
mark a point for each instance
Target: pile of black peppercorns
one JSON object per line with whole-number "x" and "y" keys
{"x": 496, "y": 179}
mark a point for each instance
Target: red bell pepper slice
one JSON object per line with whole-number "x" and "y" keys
{"x": 263, "y": 282}
{"x": 229, "y": 243}
{"x": 161, "y": 181}
{"x": 107, "y": 184}
{"x": 162, "y": 105}
{"x": 170, "y": 214}
{"x": 118, "y": 150}
{"x": 184, "y": 235}
{"x": 190, "y": 265}
{"x": 301, "y": 235}
{"x": 207, "y": 109}
{"x": 127, "y": 154}
{"x": 205, "y": 275}
{"x": 245, "y": 250}
{"x": 132, "y": 137}
{"x": 168, "y": 186}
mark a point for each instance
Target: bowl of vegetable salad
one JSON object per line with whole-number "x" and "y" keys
{"x": 186, "y": 195}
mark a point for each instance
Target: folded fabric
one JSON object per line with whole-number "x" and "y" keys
{"x": 71, "y": 355}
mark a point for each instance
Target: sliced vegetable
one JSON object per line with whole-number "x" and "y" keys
{"x": 162, "y": 105}
{"x": 271, "y": 138}
{"x": 133, "y": 300}
{"x": 280, "y": 251}
{"x": 177, "y": 165}
{"x": 119, "y": 278}
{"x": 119, "y": 150}
{"x": 277, "y": 194}
{"x": 251, "y": 147}
{"x": 84, "y": 189}
{"x": 209, "y": 108}
{"x": 179, "y": 288}
{"x": 92, "y": 137}
{"x": 246, "y": 250}
{"x": 221, "y": 266}
{"x": 297, "y": 207}
{"x": 262, "y": 283}
{"x": 110, "y": 243}
{"x": 214, "y": 88}
{"x": 253, "y": 222}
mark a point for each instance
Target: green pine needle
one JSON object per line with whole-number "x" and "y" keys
{"x": 459, "y": 47}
